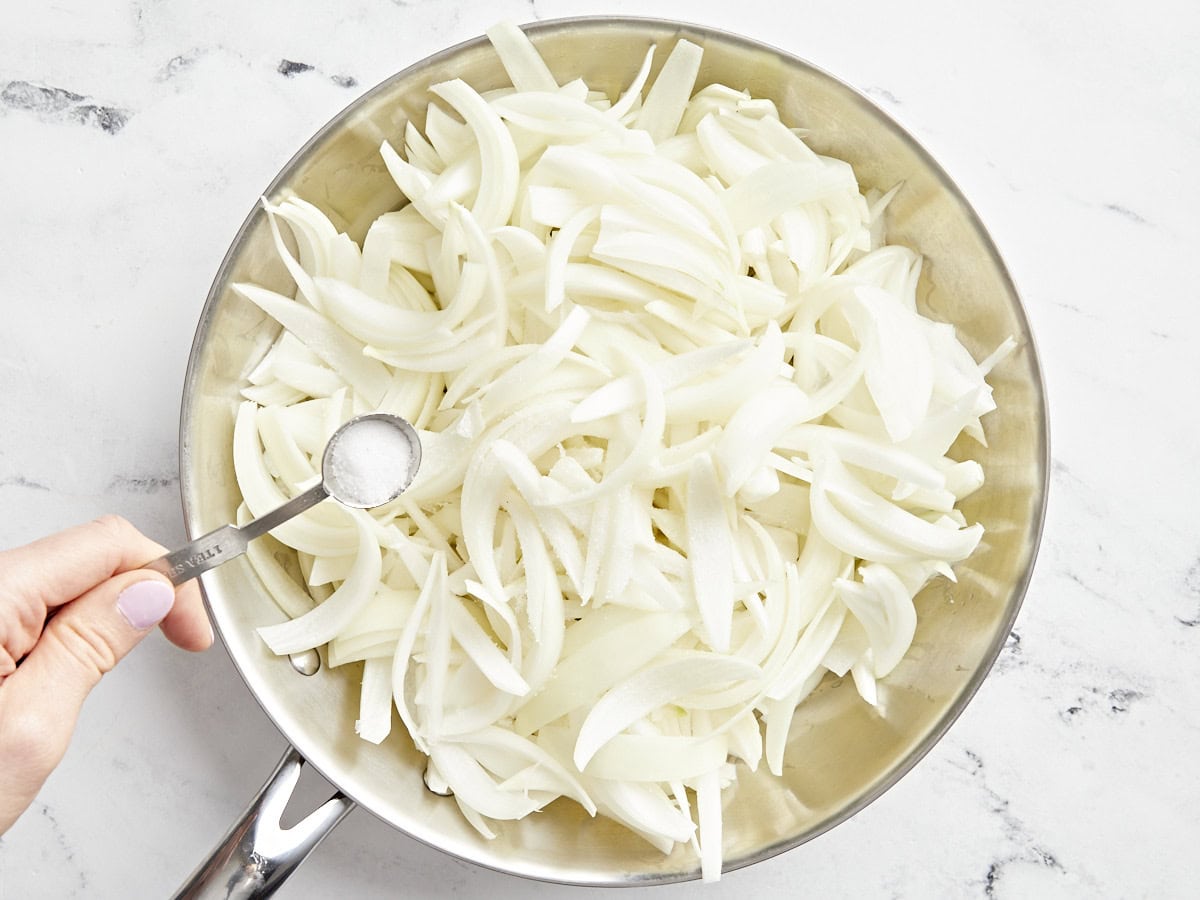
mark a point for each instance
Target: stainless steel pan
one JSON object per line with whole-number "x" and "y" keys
{"x": 842, "y": 755}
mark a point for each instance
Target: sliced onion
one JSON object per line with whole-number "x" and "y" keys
{"x": 685, "y": 442}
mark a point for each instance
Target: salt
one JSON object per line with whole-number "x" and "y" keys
{"x": 371, "y": 460}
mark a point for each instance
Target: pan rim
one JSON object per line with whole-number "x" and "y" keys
{"x": 652, "y": 25}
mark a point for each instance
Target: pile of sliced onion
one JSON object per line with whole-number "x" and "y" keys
{"x": 685, "y": 443}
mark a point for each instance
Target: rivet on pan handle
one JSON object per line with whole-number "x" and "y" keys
{"x": 256, "y": 856}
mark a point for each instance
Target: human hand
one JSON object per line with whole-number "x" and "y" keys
{"x": 71, "y": 606}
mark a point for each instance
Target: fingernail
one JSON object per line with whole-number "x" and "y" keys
{"x": 145, "y": 603}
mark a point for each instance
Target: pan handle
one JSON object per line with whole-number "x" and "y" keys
{"x": 256, "y": 856}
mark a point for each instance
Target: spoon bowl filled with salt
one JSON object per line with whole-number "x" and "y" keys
{"x": 369, "y": 461}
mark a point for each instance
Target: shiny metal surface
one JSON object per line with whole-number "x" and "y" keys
{"x": 228, "y": 542}
{"x": 219, "y": 546}
{"x": 257, "y": 855}
{"x": 841, "y": 754}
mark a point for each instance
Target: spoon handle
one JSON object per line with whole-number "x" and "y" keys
{"x": 276, "y": 517}
{"x": 211, "y": 550}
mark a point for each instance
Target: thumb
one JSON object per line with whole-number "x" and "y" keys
{"x": 89, "y": 636}
{"x": 40, "y": 701}
{"x": 79, "y": 646}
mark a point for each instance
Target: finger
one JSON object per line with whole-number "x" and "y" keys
{"x": 40, "y": 701}
{"x": 87, "y": 638}
{"x": 186, "y": 625}
{"x": 56, "y": 569}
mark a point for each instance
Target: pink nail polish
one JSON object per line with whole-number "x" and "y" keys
{"x": 145, "y": 603}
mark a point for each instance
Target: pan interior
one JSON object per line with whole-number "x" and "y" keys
{"x": 841, "y": 753}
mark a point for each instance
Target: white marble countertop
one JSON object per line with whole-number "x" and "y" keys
{"x": 135, "y": 135}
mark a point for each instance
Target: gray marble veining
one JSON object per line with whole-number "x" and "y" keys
{"x": 136, "y": 135}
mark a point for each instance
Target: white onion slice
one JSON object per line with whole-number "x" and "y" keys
{"x": 651, "y": 688}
